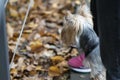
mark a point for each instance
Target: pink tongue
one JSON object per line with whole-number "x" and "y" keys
{"x": 77, "y": 61}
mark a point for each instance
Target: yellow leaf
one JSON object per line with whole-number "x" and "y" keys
{"x": 35, "y": 45}
{"x": 28, "y": 31}
{"x": 54, "y": 71}
{"x": 10, "y": 30}
{"x": 57, "y": 59}
{"x": 74, "y": 52}
{"x": 13, "y": 12}
{"x": 25, "y": 35}
{"x": 32, "y": 25}
{"x": 12, "y": 1}
{"x": 55, "y": 36}
{"x": 63, "y": 64}
{"x": 13, "y": 71}
{"x": 38, "y": 68}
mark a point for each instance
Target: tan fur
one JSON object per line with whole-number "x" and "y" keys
{"x": 85, "y": 12}
{"x": 71, "y": 28}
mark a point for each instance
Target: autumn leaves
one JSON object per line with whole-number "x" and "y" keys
{"x": 40, "y": 55}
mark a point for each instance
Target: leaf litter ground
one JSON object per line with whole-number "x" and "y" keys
{"x": 40, "y": 55}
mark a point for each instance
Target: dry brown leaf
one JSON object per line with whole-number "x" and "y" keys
{"x": 28, "y": 31}
{"x": 36, "y": 36}
{"x": 57, "y": 59}
{"x": 36, "y": 45}
{"x": 37, "y": 3}
{"x": 17, "y": 56}
{"x": 74, "y": 52}
{"x": 35, "y": 77}
{"x": 12, "y": 1}
{"x": 25, "y": 35}
{"x": 10, "y": 30}
{"x": 30, "y": 67}
{"x": 15, "y": 36}
{"x": 23, "y": 67}
{"x": 63, "y": 63}
{"x": 54, "y": 71}
{"x": 47, "y": 46}
{"x": 47, "y": 53}
{"x": 20, "y": 64}
{"x": 32, "y": 25}
{"x": 13, "y": 12}
{"x": 63, "y": 66}
{"x": 46, "y": 12}
{"x": 38, "y": 68}
{"x": 55, "y": 36}
{"x": 13, "y": 71}
{"x": 33, "y": 72}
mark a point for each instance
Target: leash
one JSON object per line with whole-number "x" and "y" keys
{"x": 23, "y": 25}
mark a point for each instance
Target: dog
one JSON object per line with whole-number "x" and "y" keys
{"x": 78, "y": 30}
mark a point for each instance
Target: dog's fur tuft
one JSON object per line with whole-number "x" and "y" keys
{"x": 71, "y": 28}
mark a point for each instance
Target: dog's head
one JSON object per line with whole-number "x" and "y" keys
{"x": 72, "y": 25}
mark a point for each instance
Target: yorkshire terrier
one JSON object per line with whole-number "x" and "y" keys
{"x": 78, "y": 29}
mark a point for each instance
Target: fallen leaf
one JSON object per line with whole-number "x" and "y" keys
{"x": 10, "y": 30}
{"x": 13, "y": 71}
{"x": 13, "y": 12}
{"x": 63, "y": 63}
{"x": 25, "y": 35}
{"x": 33, "y": 72}
{"x": 52, "y": 35}
{"x": 74, "y": 52}
{"x": 50, "y": 46}
{"x": 38, "y": 68}
{"x": 63, "y": 66}
{"x": 32, "y": 25}
{"x": 54, "y": 71}
{"x": 12, "y": 1}
{"x": 57, "y": 59}
{"x": 47, "y": 53}
{"x": 36, "y": 36}
{"x": 36, "y": 45}
{"x": 27, "y": 31}
{"x": 30, "y": 68}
